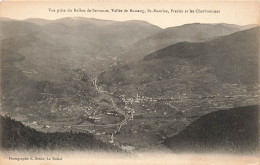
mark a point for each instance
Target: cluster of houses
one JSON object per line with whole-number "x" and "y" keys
{"x": 138, "y": 99}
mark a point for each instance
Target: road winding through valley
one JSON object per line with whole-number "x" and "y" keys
{"x": 116, "y": 109}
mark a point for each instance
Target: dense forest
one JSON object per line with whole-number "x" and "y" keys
{"x": 14, "y": 135}
{"x": 235, "y": 130}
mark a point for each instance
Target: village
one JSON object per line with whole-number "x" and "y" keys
{"x": 110, "y": 117}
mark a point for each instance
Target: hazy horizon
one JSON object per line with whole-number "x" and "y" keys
{"x": 123, "y": 21}
{"x": 238, "y": 13}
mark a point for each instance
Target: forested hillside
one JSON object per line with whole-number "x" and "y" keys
{"x": 233, "y": 130}
{"x": 14, "y": 135}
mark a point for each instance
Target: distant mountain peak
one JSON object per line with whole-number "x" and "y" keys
{"x": 5, "y": 19}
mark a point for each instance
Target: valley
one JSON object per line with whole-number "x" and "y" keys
{"x": 129, "y": 91}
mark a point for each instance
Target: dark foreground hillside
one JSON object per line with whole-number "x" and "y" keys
{"x": 235, "y": 130}
{"x": 14, "y": 135}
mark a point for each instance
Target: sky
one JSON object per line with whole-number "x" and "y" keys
{"x": 233, "y": 12}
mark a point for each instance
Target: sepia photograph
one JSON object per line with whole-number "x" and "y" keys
{"x": 107, "y": 82}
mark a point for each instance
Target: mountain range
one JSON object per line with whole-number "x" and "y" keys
{"x": 71, "y": 71}
{"x": 231, "y": 59}
{"x": 195, "y": 32}
{"x": 52, "y": 47}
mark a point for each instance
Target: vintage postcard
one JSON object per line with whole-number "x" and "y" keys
{"x": 129, "y": 82}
